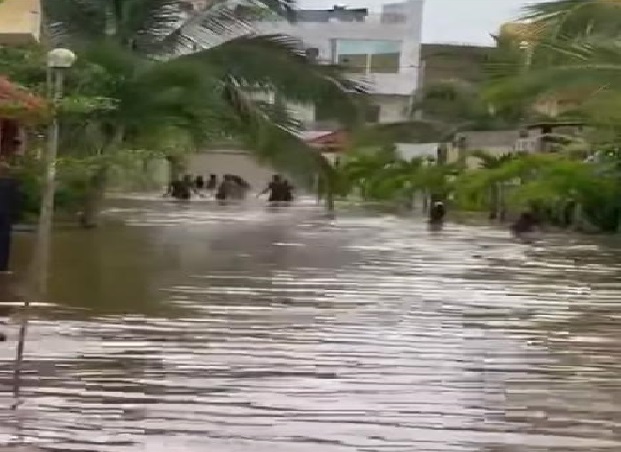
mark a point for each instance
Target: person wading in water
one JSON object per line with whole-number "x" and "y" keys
{"x": 212, "y": 183}
{"x": 182, "y": 189}
{"x": 199, "y": 183}
{"x": 227, "y": 190}
{"x": 437, "y": 214}
{"x": 524, "y": 225}
{"x": 9, "y": 209}
{"x": 287, "y": 191}
{"x": 277, "y": 189}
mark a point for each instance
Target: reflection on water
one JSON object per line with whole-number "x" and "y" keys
{"x": 194, "y": 327}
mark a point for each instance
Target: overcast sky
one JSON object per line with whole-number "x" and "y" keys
{"x": 467, "y": 21}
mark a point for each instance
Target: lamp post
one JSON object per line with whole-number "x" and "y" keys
{"x": 58, "y": 61}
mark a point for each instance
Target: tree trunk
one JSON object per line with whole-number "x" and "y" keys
{"x": 328, "y": 189}
{"x": 501, "y": 209}
{"x": 94, "y": 198}
{"x": 493, "y": 202}
{"x": 177, "y": 167}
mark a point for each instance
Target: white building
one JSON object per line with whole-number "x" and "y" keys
{"x": 381, "y": 47}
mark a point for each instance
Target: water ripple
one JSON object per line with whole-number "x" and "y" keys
{"x": 243, "y": 329}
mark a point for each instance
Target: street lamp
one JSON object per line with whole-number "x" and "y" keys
{"x": 58, "y": 61}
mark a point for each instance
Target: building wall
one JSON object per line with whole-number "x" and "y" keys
{"x": 398, "y": 22}
{"x": 20, "y": 22}
{"x": 392, "y": 108}
{"x": 320, "y": 35}
{"x": 230, "y": 162}
{"x": 447, "y": 62}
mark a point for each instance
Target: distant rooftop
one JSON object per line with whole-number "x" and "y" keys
{"x": 336, "y": 13}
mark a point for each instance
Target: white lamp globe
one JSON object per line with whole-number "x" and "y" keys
{"x": 61, "y": 58}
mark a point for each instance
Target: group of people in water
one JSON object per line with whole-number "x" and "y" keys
{"x": 525, "y": 224}
{"x": 231, "y": 187}
{"x": 235, "y": 188}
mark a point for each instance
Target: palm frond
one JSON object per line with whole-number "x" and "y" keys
{"x": 221, "y": 21}
{"x": 136, "y": 24}
{"x": 73, "y": 21}
{"x": 278, "y": 64}
{"x": 575, "y": 18}
{"x": 272, "y": 135}
{"x": 148, "y": 26}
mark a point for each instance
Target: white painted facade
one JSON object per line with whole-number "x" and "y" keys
{"x": 399, "y": 23}
{"x": 238, "y": 162}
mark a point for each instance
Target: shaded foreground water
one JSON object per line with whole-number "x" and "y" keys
{"x": 194, "y": 328}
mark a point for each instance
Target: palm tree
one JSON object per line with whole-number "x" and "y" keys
{"x": 574, "y": 19}
{"x": 575, "y": 56}
{"x": 198, "y": 75}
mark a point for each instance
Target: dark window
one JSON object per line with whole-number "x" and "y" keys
{"x": 312, "y": 54}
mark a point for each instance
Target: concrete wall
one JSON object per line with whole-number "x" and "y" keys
{"x": 320, "y": 35}
{"x": 230, "y": 162}
{"x": 447, "y": 62}
{"x": 20, "y": 22}
{"x": 397, "y": 21}
{"x": 496, "y": 142}
{"x": 392, "y": 108}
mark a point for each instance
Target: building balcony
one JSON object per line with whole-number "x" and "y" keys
{"x": 20, "y": 22}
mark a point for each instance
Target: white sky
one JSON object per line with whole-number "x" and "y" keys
{"x": 467, "y": 21}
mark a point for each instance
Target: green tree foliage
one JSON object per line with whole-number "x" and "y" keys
{"x": 159, "y": 80}
{"x": 382, "y": 176}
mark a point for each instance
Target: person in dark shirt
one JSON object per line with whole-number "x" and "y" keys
{"x": 242, "y": 186}
{"x": 212, "y": 183}
{"x": 437, "y": 213}
{"x": 228, "y": 189}
{"x": 287, "y": 191}
{"x": 525, "y": 224}
{"x": 179, "y": 189}
{"x": 199, "y": 183}
{"x": 276, "y": 188}
{"x": 9, "y": 200}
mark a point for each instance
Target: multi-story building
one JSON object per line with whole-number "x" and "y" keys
{"x": 382, "y": 48}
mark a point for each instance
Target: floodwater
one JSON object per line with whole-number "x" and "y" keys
{"x": 193, "y": 327}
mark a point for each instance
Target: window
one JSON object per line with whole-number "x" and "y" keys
{"x": 312, "y": 53}
{"x": 368, "y": 56}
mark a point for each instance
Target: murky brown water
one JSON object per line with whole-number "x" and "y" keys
{"x": 194, "y": 328}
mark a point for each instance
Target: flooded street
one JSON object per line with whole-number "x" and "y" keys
{"x": 189, "y": 328}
